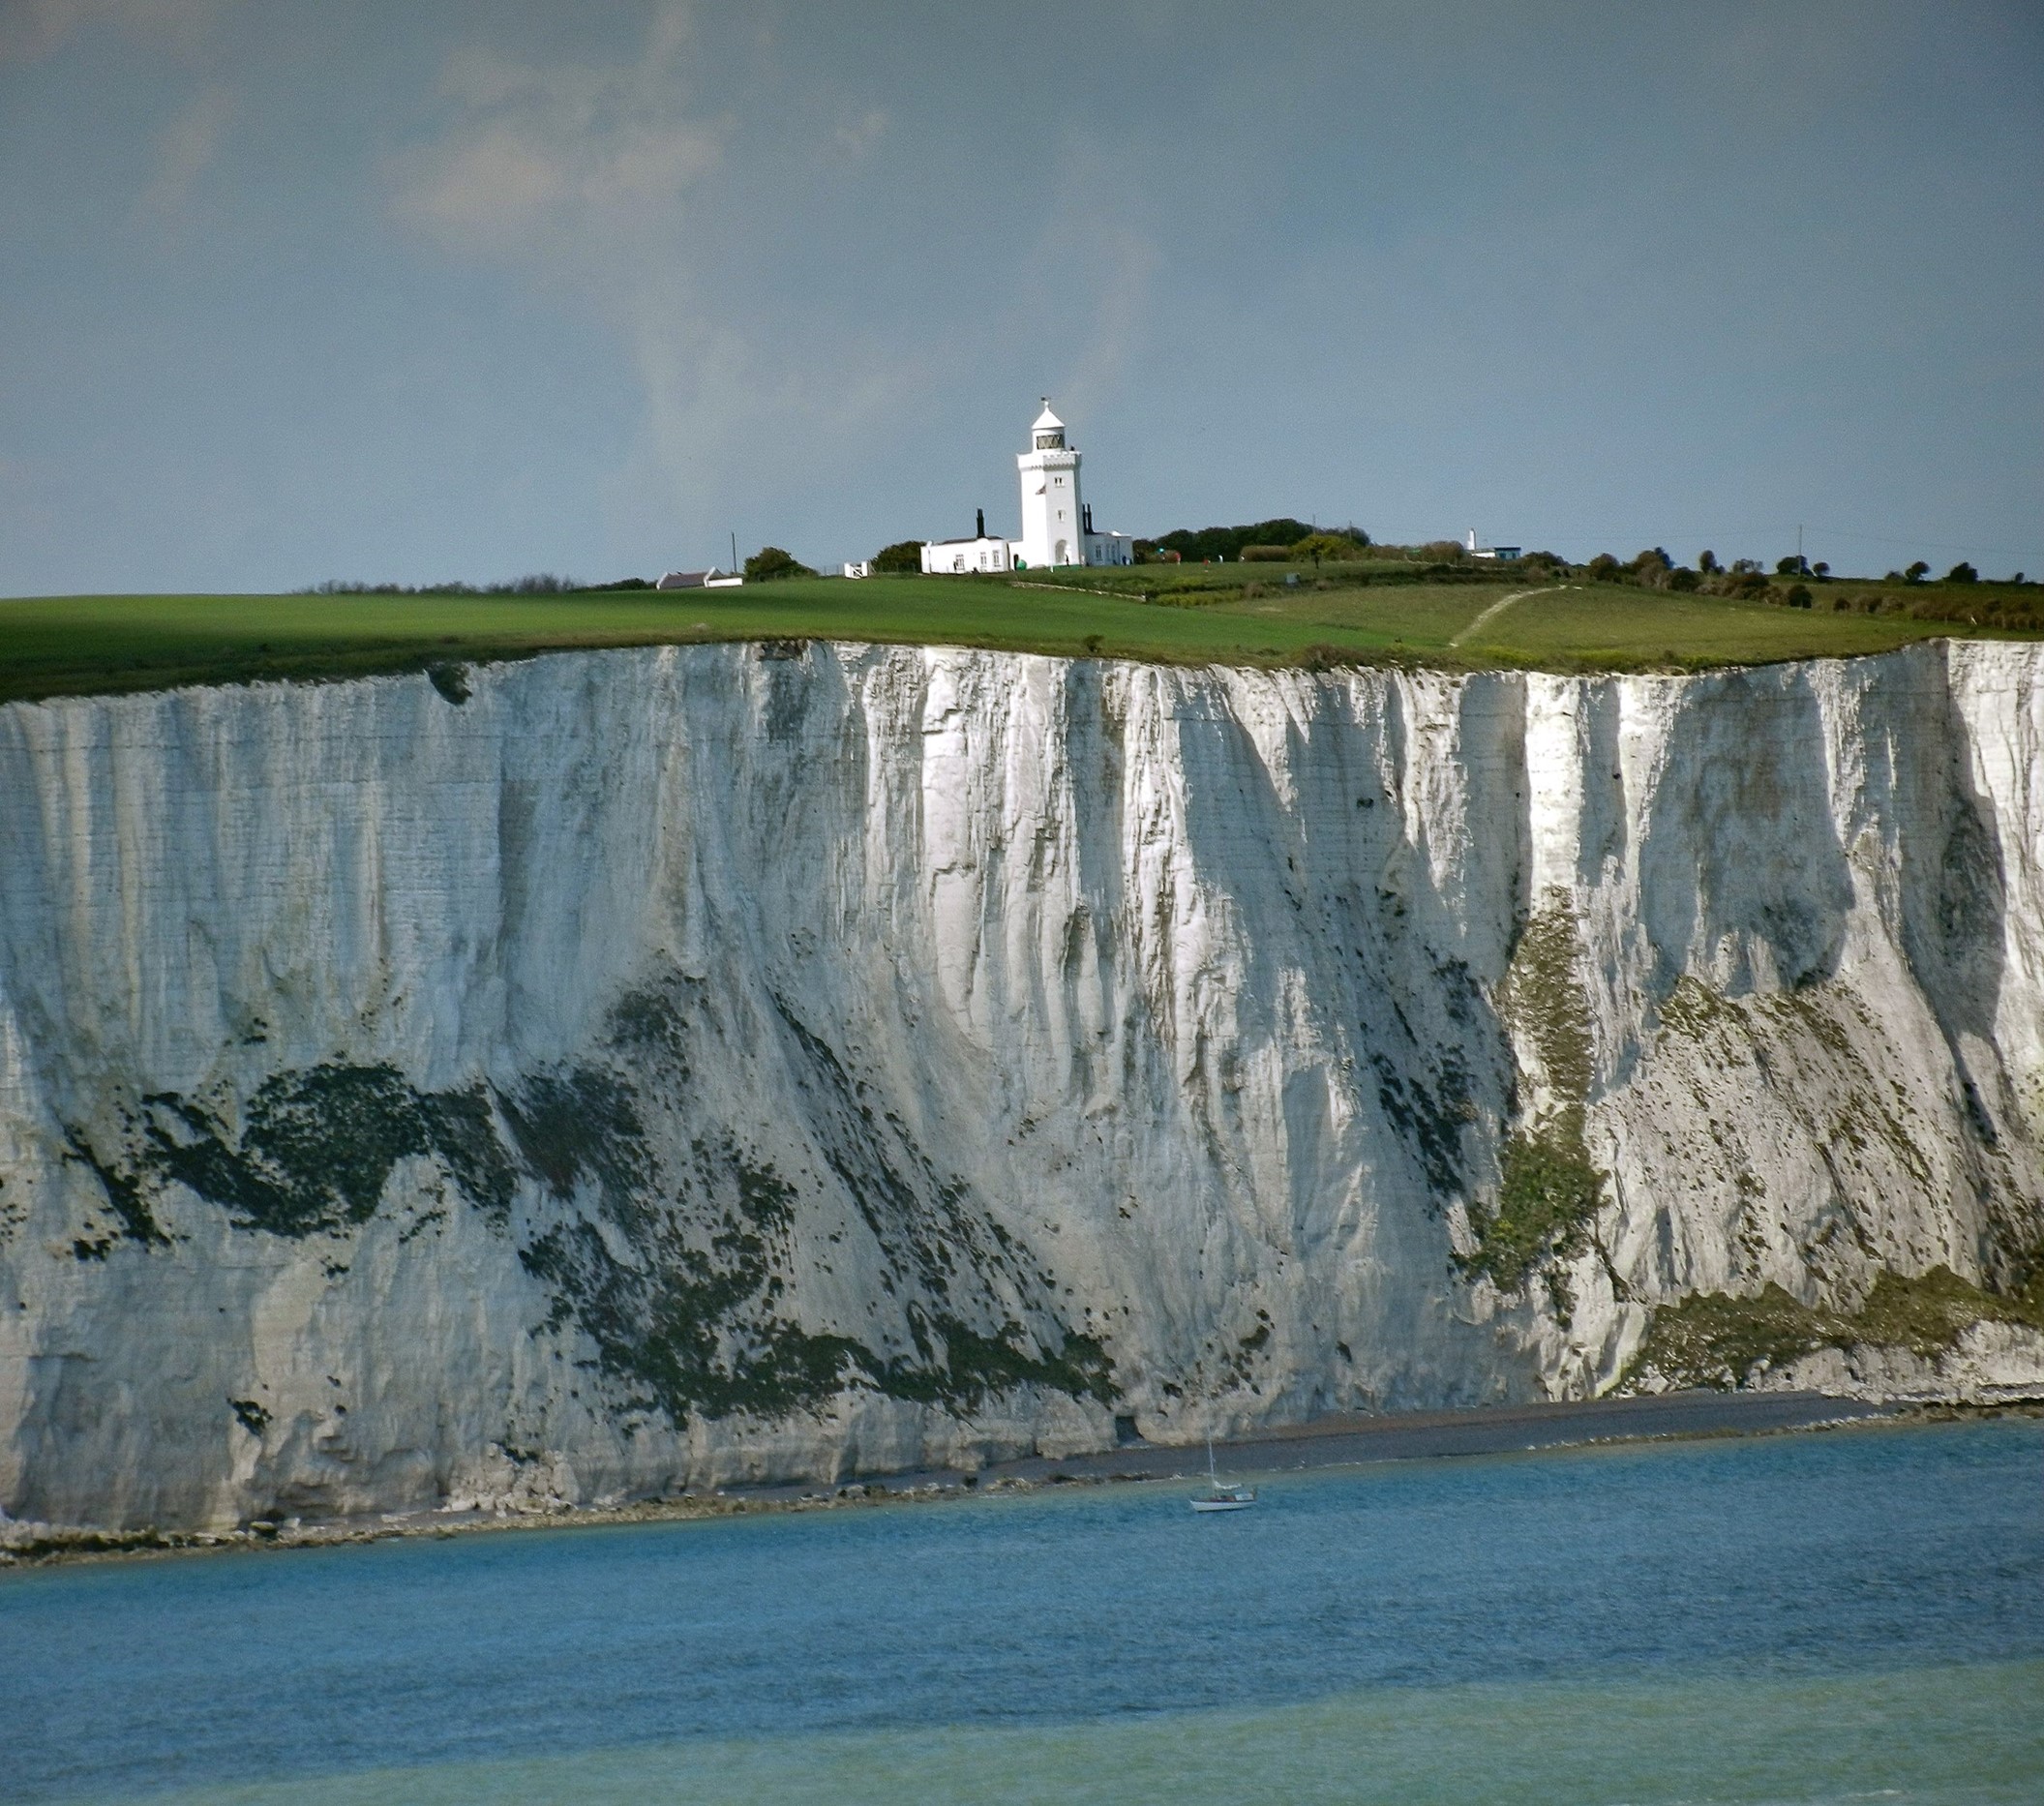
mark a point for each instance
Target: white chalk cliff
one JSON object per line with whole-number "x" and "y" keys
{"x": 616, "y": 1072}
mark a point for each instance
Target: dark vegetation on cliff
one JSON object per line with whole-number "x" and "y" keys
{"x": 675, "y": 1271}
{"x": 1382, "y": 608}
{"x": 1715, "y": 1339}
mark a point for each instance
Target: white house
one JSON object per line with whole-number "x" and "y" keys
{"x": 1489, "y": 552}
{"x": 1057, "y": 523}
{"x": 953, "y": 558}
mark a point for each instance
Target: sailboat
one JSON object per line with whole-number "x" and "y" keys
{"x": 1222, "y": 1494}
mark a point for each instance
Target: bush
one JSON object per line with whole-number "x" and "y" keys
{"x": 1682, "y": 579}
{"x": 1916, "y": 572}
{"x": 1798, "y": 595}
{"x": 1604, "y": 569}
{"x": 1265, "y": 555}
{"x": 1229, "y": 542}
{"x": 1789, "y": 567}
{"x": 904, "y": 554}
{"x": 1333, "y": 547}
{"x": 769, "y": 564}
{"x": 1962, "y": 573}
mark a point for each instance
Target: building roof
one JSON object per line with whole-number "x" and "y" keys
{"x": 1046, "y": 421}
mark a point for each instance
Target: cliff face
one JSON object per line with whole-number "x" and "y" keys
{"x": 672, "y": 1066}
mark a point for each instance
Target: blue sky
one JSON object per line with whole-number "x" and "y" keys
{"x": 293, "y": 291}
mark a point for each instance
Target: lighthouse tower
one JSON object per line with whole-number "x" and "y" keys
{"x": 1053, "y": 517}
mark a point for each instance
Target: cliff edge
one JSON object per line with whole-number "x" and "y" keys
{"x": 581, "y": 1079}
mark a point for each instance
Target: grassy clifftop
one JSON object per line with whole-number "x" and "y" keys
{"x": 1194, "y": 614}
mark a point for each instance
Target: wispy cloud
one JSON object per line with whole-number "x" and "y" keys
{"x": 546, "y": 164}
{"x": 30, "y": 29}
{"x": 185, "y": 149}
{"x": 600, "y": 184}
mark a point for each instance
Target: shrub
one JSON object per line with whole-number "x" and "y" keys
{"x": 1798, "y": 595}
{"x": 1916, "y": 572}
{"x": 1682, "y": 579}
{"x": 1229, "y": 542}
{"x": 1962, "y": 573}
{"x": 1333, "y": 547}
{"x": 904, "y": 554}
{"x": 769, "y": 564}
{"x": 1265, "y": 555}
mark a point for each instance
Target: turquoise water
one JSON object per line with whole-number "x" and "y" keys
{"x": 1846, "y": 1615}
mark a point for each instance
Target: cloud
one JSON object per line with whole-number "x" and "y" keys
{"x": 601, "y": 184}
{"x": 30, "y": 29}
{"x": 184, "y": 150}
{"x": 857, "y": 136}
{"x": 549, "y": 164}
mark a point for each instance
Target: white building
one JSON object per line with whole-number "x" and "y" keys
{"x": 1489, "y": 552}
{"x": 1056, "y": 524}
{"x": 954, "y": 558}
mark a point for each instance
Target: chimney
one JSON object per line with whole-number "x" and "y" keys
{"x": 979, "y": 515}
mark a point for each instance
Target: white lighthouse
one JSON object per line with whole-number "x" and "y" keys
{"x": 1057, "y": 525}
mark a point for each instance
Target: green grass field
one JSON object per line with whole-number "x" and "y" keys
{"x": 1193, "y": 614}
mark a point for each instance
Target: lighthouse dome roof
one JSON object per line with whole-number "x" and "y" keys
{"x": 1046, "y": 421}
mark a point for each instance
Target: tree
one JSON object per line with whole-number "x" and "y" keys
{"x": 769, "y": 564}
{"x": 1916, "y": 572}
{"x": 1332, "y": 547}
{"x": 1789, "y": 567}
{"x": 904, "y": 554}
{"x": 1227, "y": 542}
{"x": 1962, "y": 573}
{"x": 1821, "y": 570}
{"x": 1707, "y": 562}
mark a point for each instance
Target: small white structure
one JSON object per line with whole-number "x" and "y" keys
{"x": 715, "y": 579}
{"x": 1489, "y": 552}
{"x": 712, "y": 579}
{"x": 860, "y": 568}
{"x": 1057, "y": 525}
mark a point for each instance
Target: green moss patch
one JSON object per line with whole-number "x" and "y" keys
{"x": 317, "y": 1147}
{"x": 1549, "y": 1192}
{"x": 1715, "y": 1339}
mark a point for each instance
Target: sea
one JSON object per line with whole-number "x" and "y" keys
{"x": 1839, "y": 1616}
